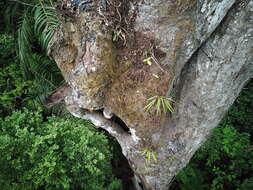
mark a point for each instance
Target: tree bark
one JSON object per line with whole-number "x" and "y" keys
{"x": 201, "y": 56}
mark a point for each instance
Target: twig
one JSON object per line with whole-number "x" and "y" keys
{"x": 156, "y": 61}
{"x": 118, "y": 12}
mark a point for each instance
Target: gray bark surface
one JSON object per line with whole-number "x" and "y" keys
{"x": 208, "y": 58}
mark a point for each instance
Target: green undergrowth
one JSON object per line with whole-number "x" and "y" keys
{"x": 55, "y": 153}
{"x": 17, "y": 91}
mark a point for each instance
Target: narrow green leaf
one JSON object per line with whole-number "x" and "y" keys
{"x": 158, "y": 106}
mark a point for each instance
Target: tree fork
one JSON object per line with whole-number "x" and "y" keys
{"x": 202, "y": 58}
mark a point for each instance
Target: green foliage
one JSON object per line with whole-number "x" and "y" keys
{"x": 240, "y": 114}
{"x": 36, "y": 30}
{"x": 7, "y": 46}
{"x": 247, "y": 184}
{"x": 192, "y": 178}
{"x": 37, "y": 25}
{"x": 160, "y": 103}
{"x": 33, "y": 70}
{"x": 225, "y": 162}
{"x": 13, "y": 89}
{"x": 17, "y": 91}
{"x": 149, "y": 155}
{"x": 9, "y": 12}
{"x": 46, "y": 75}
{"x": 45, "y": 23}
{"x": 25, "y": 35}
{"x": 148, "y": 61}
{"x": 116, "y": 35}
{"x": 56, "y": 154}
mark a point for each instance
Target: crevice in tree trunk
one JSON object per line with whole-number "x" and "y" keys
{"x": 121, "y": 123}
{"x": 122, "y": 169}
{"x": 116, "y": 120}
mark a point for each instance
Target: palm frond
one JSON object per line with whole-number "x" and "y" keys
{"x": 46, "y": 76}
{"x": 38, "y": 22}
{"x": 46, "y": 22}
{"x": 25, "y": 34}
{"x": 48, "y": 69}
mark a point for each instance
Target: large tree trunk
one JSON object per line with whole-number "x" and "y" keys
{"x": 201, "y": 54}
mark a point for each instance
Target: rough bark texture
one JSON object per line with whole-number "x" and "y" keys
{"x": 201, "y": 52}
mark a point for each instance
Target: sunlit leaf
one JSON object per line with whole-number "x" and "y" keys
{"x": 160, "y": 101}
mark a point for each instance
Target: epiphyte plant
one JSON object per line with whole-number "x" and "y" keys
{"x": 149, "y": 155}
{"x": 148, "y": 61}
{"x": 160, "y": 103}
{"x": 116, "y": 35}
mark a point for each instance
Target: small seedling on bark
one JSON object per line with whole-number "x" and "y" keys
{"x": 160, "y": 103}
{"x": 116, "y": 35}
{"x": 148, "y": 61}
{"x": 149, "y": 155}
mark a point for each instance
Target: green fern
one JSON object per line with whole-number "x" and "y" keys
{"x": 36, "y": 29}
{"x": 40, "y": 24}
{"x": 45, "y": 70}
{"x": 47, "y": 77}
{"x": 160, "y": 103}
{"x": 44, "y": 85}
{"x": 46, "y": 22}
{"x": 25, "y": 34}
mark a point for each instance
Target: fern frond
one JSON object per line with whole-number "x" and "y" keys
{"x": 46, "y": 77}
{"x": 46, "y": 22}
{"x": 38, "y": 24}
{"x": 35, "y": 31}
{"x": 47, "y": 71}
{"x": 25, "y": 34}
